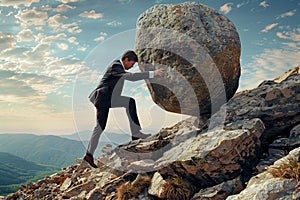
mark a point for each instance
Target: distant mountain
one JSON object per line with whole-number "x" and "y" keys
{"x": 44, "y": 149}
{"x": 80, "y": 136}
{"x": 15, "y": 170}
{"x": 113, "y": 138}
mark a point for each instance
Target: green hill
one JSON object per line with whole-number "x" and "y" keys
{"x": 46, "y": 149}
{"x": 15, "y": 171}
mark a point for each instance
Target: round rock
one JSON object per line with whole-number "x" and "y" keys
{"x": 199, "y": 50}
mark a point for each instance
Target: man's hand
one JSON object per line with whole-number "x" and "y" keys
{"x": 158, "y": 72}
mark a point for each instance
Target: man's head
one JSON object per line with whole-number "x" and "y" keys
{"x": 129, "y": 58}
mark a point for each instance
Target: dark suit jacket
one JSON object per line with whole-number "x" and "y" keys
{"x": 112, "y": 83}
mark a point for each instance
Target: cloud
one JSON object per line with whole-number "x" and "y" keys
{"x": 291, "y": 44}
{"x": 124, "y": 1}
{"x": 269, "y": 27}
{"x": 51, "y": 38}
{"x": 63, "y": 8}
{"x": 56, "y": 20}
{"x": 25, "y": 99}
{"x": 268, "y": 65}
{"x": 31, "y": 17}
{"x": 6, "y": 41}
{"x": 292, "y": 35}
{"x": 31, "y": 55}
{"x": 101, "y": 37}
{"x": 82, "y": 49}
{"x": 45, "y": 8}
{"x": 41, "y": 50}
{"x": 72, "y": 27}
{"x": 62, "y": 46}
{"x": 65, "y": 68}
{"x": 287, "y": 14}
{"x": 17, "y": 3}
{"x": 72, "y": 40}
{"x": 239, "y": 5}
{"x": 68, "y": 1}
{"x": 44, "y": 76}
{"x": 41, "y": 84}
{"x": 281, "y": 35}
{"x": 24, "y": 81}
{"x": 26, "y": 35}
{"x": 226, "y": 8}
{"x": 9, "y": 14}
{"x": 92, "y": 14}
{"x": 264, "y": 4}
{"x": 16, "y": 54}
{"x": 114, "y": 23}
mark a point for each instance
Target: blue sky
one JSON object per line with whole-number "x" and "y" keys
{"x": 52, "y": 54}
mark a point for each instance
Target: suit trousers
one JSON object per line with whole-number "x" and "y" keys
{"x": 102, "y": 115}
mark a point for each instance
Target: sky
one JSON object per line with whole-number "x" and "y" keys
{"x": 53, "y": 53}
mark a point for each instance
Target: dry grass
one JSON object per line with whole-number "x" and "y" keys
{"x": 289, "y": 169}
{"x": 133, "y": 189}
{"x": 177, "y": 189}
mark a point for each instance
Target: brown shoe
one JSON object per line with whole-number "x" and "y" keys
{"x": 90, "y": 160}
{"x": 139, "y": 135}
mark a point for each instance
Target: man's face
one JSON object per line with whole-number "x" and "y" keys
{"x": 128, "y": 64}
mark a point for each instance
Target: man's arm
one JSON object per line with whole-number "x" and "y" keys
{"x": 118, "y": 70}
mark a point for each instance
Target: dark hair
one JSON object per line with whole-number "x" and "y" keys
{"x": 130, "y": 55}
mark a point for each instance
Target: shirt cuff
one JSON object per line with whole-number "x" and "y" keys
{"x": 151, "y": 74}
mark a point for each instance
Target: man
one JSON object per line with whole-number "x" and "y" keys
{"x": 110, "y": 89}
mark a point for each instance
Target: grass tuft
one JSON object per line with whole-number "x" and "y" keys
{"x": 177, "y": 189}
{"x": 289, "y": 169}
{"x": 133, "y": 189}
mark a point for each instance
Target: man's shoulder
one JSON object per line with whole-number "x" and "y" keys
{"x": 116, "y": 65}
{"x": 116, "y": 62}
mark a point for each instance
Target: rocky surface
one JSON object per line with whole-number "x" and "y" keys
{"x": 266, "y": 186}
{"x": 192, "y": 160}
{"x": 277, "y": 104}
{"x": 198, "y": 47}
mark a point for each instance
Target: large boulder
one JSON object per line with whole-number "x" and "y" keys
{"x": 198, "y": 47}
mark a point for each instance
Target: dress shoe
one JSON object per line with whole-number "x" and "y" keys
{"x": 139, "y": 135}
{"x": 90, "y": 160}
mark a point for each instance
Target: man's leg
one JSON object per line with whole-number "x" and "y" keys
{"x": 130, "y": 105}
{"x": 102, "y": 115}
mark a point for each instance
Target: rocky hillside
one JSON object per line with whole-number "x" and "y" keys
{"x": 229, "y": 146}
{"x": 191, "y": 160}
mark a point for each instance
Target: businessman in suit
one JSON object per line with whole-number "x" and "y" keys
{"x": 110, "y": 89}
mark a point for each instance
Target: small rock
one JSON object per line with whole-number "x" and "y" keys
{"x": 75, "y": 191}
{"x": 66, "y": 184}
{"x": 294, "y": 139}
{"x": 155, "y": 188}
{"x": 95, "y": 194}
{"x": 274, "y": 154}
{"x": 221, "y": 191}
{"x": 280, "y": 143}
